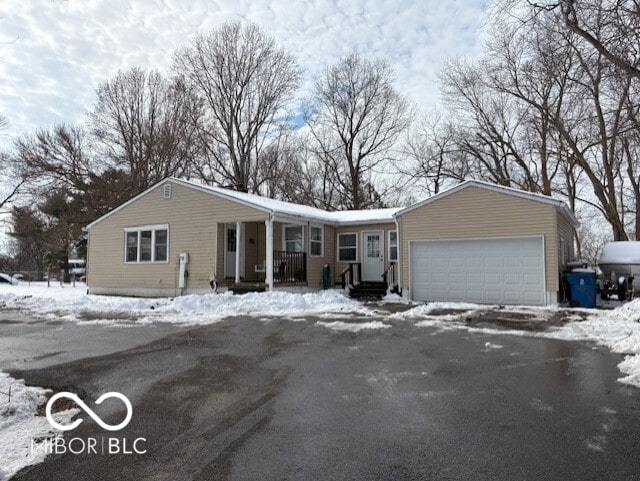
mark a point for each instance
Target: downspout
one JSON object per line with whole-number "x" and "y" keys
{"x": 400, "y": 254}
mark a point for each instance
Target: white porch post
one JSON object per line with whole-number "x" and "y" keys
{"x": 238, "y": 241}
{"x": 269, "y": 253}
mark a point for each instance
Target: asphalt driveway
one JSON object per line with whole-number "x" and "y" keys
{"x": 247, "y": 399}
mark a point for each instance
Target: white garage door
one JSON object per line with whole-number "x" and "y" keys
{"x": 491, "y": 271}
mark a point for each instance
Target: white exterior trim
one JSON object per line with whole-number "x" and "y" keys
{"x": 153, "y": 229}
{"x": 269, "y": 253}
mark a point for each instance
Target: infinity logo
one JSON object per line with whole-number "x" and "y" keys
{"x": 89, "y": 411}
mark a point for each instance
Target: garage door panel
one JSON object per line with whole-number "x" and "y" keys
{"x": 531, "y": 279}
{"x": 492, "y": 262}
{"x": 475, "y": 295}
{"x": 474, "y": 278}
{"x": 511, "y": 262}
{"x": 456, "y": 278}
{"x": 511, "y": 278}
{"x": 438, "y": 263}
{"x": 531, "y": 262}
{"x": 509, "y": 271}
{"x": 491, "y": 278}
{"x": 456, "y": 262}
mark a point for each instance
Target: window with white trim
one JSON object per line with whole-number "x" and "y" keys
{"x": 347, "y": 247}
{"x": 393, "y": 246}
{"x": 293, "y": 240}
{"x": 146, "y": 244}
{"x": 316, "y": 241}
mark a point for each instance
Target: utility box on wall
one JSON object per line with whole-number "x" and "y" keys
{"x": 183, "y": 260}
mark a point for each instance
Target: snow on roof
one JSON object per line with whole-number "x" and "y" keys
{"x": 621, "y": 252}
{"x": 296, "y": 210}
{"x": 345, "y": 217}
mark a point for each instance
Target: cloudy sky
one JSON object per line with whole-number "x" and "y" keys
{"x": 54, "y": 53}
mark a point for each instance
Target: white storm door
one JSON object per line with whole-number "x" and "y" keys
{"x": 230, "y": 244}
{"x": 373, "y": 256}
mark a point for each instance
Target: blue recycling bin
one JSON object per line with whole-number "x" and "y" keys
{"x": 582, "y": 288}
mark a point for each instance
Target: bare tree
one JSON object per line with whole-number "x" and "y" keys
{"x": 546, "y": 112}
{"x": 433, "y": 155}
{"x": 12, "y": 185}
{"x": 144, "y": 125}
{"x": 609, "y": 26}
{"x": 54, "y": 158}
{"x": 303, "y": 178}
{"x": 246, "y": 82}
{"x": 356, "y": 118}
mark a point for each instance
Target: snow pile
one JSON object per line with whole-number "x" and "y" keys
{"x": 433, "y": 312}
{"x": 277, "y": 303}
{"x": 20, "y": 424}
{"x": 618, "y": 329}
{"x": 393, "y": 298}
{"x": 72, "y": 304}
{"x": 353, "y": 326}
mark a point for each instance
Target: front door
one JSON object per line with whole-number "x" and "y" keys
{"x": 230, "y": 244}
{"x": 373, "y": 256}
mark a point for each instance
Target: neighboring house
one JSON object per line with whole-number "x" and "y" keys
{"x": 476, "y": 242}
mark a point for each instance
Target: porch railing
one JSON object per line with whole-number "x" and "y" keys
{"x": 389, "y": 277}
{"x": 289, "y": 266}
{"x": 351, "y": 275}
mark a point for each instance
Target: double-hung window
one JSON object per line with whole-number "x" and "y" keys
{"x": 316, "y": 238}
{"x": 393, "y": 246}
{"x": 347, "y": 247}
{"x": 146, "y": 244}
{"x": 293, "y": 240}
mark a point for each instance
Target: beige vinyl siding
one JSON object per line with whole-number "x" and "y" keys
{"x": 220, "y": 247}
{"x": 480, "y": 213}
{"x": 359, "y": 229}
{"x": 194, "y": 220}
{"x": 566, "y": 235}
{"x": 315, "y": 264}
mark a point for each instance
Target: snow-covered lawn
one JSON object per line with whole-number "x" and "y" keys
{"x": 73, "y": 304}
{"x": 20, "y": 424}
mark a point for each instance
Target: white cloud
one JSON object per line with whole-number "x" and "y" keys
{"x": 61, "y": 50}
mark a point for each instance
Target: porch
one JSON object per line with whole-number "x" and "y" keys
{"x": 261, "y": 255}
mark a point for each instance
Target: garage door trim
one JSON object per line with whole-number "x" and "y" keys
{"x": 465, "y": 239}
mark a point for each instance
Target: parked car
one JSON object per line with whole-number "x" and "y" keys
{"x": 7, "y": 279}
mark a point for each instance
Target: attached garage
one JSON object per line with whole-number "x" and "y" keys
{"x": 485, "y": 243}
{"x": 493, "y": 271}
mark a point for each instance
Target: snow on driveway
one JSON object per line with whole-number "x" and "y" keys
{"x": 617, "y": 329}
